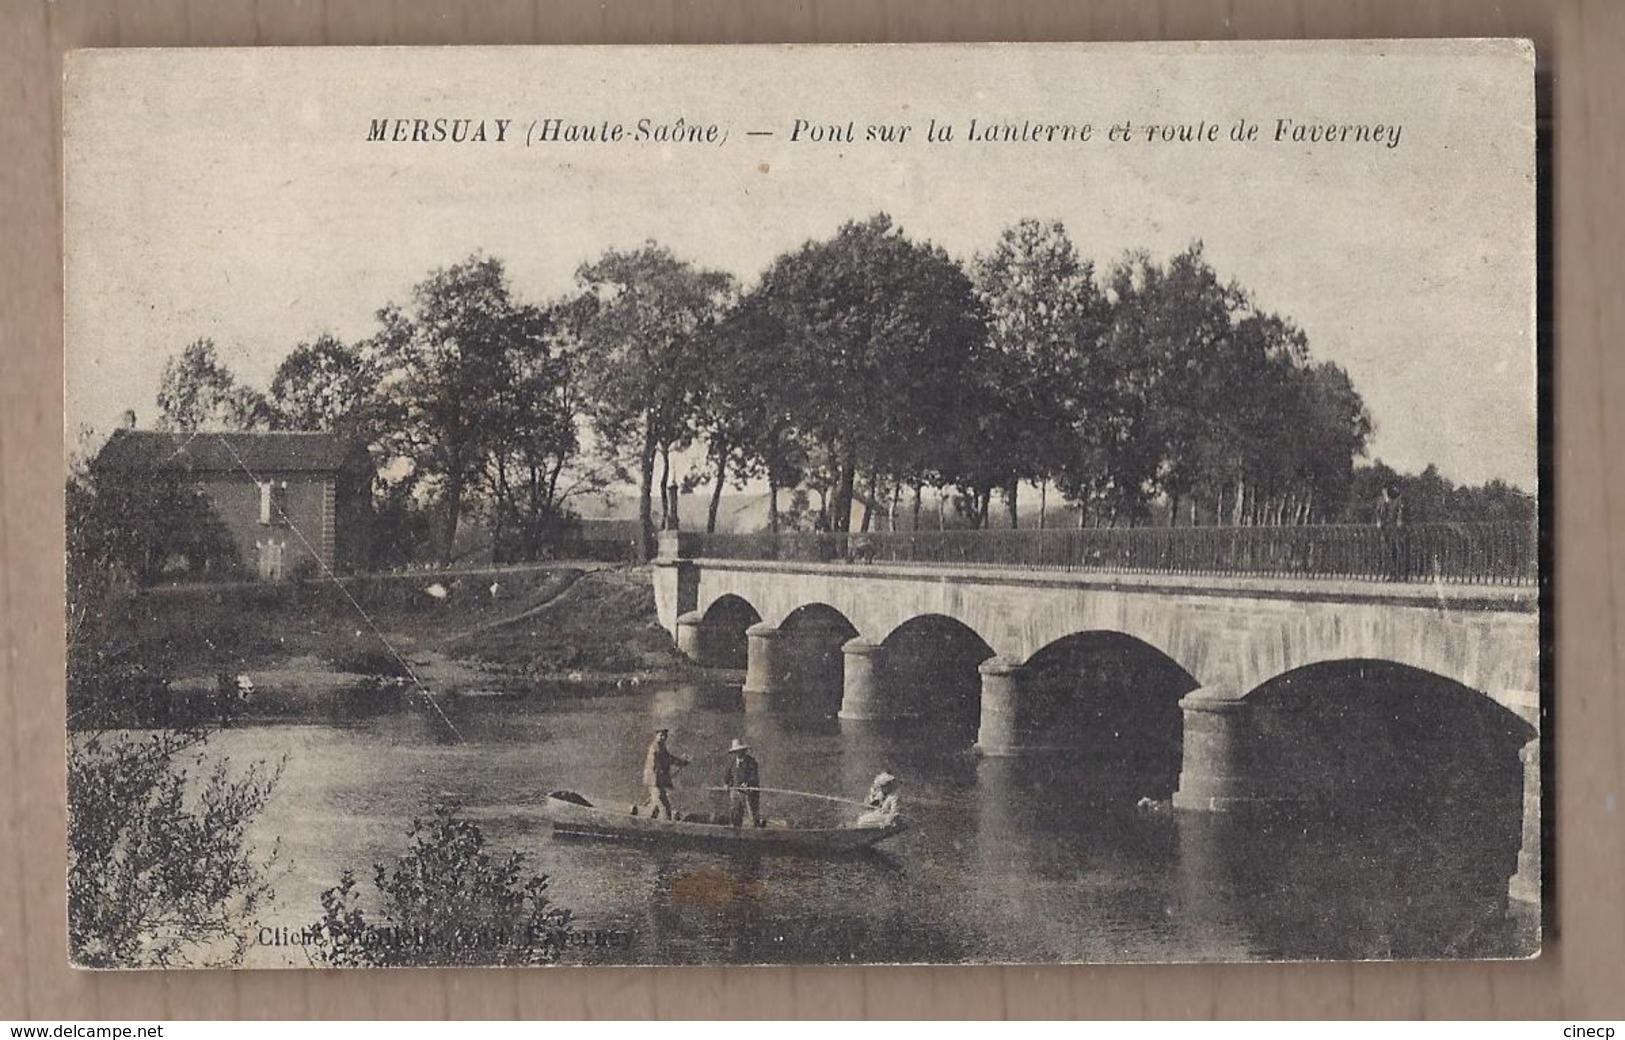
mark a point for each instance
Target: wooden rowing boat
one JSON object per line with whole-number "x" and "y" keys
{"x": 570, "y": 816}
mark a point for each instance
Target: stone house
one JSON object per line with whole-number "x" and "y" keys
{"x": 293, "y": 504}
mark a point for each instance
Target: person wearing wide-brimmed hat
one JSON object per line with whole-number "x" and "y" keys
{"x": 744, "y": 782}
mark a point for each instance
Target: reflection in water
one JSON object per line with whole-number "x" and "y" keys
{"x": 1034, "y": 859}
{"x": 1304, "y": 887}
{"x": 674, "y": 700}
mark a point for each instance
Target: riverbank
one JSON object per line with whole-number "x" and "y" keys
{"x": 601, "y": 622}
{"x": 471, "y": 632}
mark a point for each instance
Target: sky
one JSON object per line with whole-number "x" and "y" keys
{"x": 234, "y": 194}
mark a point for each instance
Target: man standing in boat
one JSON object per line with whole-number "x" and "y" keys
{"x": 657, "y": 768}
{"x": 743, "y": 781}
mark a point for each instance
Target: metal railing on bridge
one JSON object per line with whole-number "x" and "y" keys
{"x": 1459, "y": 553}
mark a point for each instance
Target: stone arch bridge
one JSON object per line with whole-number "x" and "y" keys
{"x": 1233, "y": 636}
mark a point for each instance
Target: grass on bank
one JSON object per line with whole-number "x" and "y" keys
{"x": 536, "y": 622}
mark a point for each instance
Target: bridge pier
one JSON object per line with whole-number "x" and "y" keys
{"x": 766, "y": 661}
{"x": 1220, "y": 769}
{"x": 789, "y": 669}
{"x": 1004, "y": 709}
{"x": 1524, "y": 887}
{"x": 864, "y": 693}
{"x": 711, "y": 642}
{"x": 691, "y": 637}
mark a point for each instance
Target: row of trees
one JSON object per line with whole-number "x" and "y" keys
{"x": 893, "y": 369}
{"x": 1430, "y": 497}
{"x": 861, "y": 370}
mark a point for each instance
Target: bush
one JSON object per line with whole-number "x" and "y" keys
{"x": 447, "y": 901}
{"x": 160, "y": 870}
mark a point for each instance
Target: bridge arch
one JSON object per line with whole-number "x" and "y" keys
{"x": 1405, "y": 773}
{"x": 1111, "y": 699}
{"x": 720, "y": 635}
{"x": 943, "y": 624}
{"x": 1381, "y": 731}
{"x": 931, "y": 665}
{"x": 812, "y": 664}
{"x": 1487, "y": 656}
{"x": 814, "y": 617}
{"x": 728, "y": 607}
{"x": 1108, "y": 641}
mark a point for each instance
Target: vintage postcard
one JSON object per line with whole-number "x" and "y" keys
{"x": 735, "y": 505}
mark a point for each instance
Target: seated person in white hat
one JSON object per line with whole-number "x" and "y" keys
{"x": 882, "y": 800}
{"x": 743, "y": 781}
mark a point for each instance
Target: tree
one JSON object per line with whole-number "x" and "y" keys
{"x": 1431, "y": 497}
{"x": 325, "y": 385}
{"x": 404, "y": 530}
{"x": 1186, "y": 349}
{"x": 745, "y": 407}
{"x": 1044, "y": 317}
{"x": 161, "y": 871}
{"x": 1494, "y": 502}
{"x": 445, "y": 363}
{"x": 198, "y": 392}
{"x": 446, "y": 901}
{"x": 531, "y": 472}
{"x": 129, "y": 527}
{"x": 1332, "y": 432}
{"x": 1215, "y": 403}
{"x": 1112, "y": 457}
{"x": 642, "y": 319}
{"x": 1251, "y": 452}
{"x": 879, "y": 333}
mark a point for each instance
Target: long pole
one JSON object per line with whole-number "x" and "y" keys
{"x": 803, "y": 794}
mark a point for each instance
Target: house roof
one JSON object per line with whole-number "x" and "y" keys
{"x": 203, "y": 452}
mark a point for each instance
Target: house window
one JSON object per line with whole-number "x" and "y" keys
{"x": 274, "y": 503}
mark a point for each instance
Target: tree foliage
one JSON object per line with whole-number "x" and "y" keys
{"x": 746, "y": 409}
{"x": 161, "y": 871}
{"x": 1214, "y": 406}
{"x": 446, "y": 901}
{"x": 878, "y": 335}
{"x": 856, "y": 368}
{"x": 1042, "y": 384}
{"x": 643, "y": 318}
{"x": 447, "y": 360}
{"x": 326, "y": 385}
{"x": 533, "y": 447}
{"x": 867, "y": 361}
{"x": 124, "y": 527}
{"x": 198, "y": 392}
{"x": 1431, "y": 497}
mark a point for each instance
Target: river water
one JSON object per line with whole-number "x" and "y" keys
{"x": 1040, "y": 859}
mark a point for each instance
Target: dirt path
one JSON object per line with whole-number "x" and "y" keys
{"x": 513, "y": 619}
